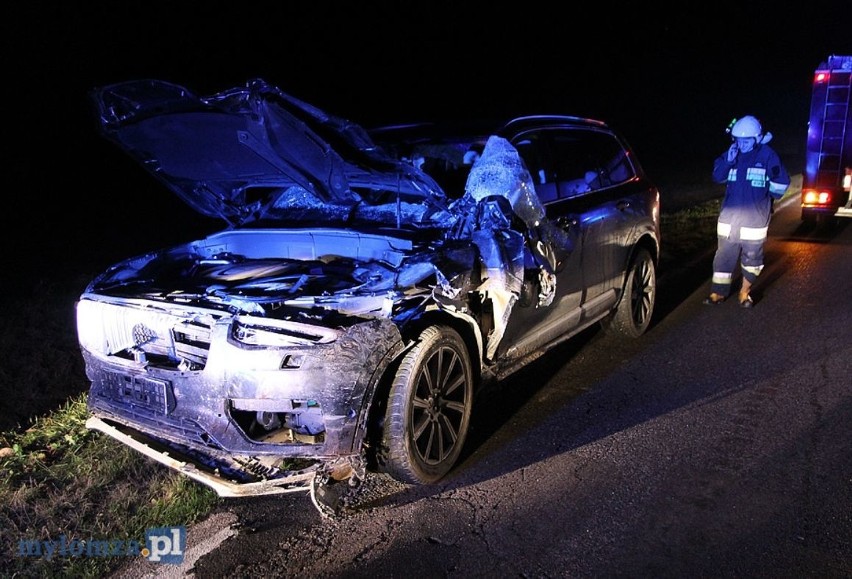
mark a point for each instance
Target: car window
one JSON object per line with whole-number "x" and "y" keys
{"x": 588, "y": 160}
{"x": 534, "y": 149}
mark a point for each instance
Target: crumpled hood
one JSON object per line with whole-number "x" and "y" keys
{"x": 228, "y": 155}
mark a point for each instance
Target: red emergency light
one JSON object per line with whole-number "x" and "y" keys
{"x": 821, "y": 77}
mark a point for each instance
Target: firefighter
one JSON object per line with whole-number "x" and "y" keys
{"x": 755, "y": 177}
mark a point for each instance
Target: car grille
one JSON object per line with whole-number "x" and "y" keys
{"x": 179, "y": 339}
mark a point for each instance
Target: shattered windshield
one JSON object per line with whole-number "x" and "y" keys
{"x": 501, "y": 172}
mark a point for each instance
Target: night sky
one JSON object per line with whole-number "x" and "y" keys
{"x": 670, "y": 80}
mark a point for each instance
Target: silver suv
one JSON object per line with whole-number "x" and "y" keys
{"x": 367, "y": 285}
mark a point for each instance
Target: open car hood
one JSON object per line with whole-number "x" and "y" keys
{"x": 229, "y": 155}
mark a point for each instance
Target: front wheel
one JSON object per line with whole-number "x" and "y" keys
{"x": 633, "y": 313}
{"x": 429, "y": 406}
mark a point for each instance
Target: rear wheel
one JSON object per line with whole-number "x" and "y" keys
{"x": 429, "y": 405}
{"x": 633, "y": 313}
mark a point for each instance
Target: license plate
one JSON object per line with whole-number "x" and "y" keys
{"x": 142, "y": 391}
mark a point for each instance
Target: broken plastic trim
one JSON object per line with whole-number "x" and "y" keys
{"x": 298, "y": 481}
{"x": 329, "y": 486}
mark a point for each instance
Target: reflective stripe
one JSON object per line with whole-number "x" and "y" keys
{"x": 722, "y": 278}
{"x": 723, "y": 230}
{"x": 753, "y": 233}
{"x": 755, "y": 269}
{"x": 732, "y": 175}
{"x": 756, "y": 176}
{"x": 777, "y": 188}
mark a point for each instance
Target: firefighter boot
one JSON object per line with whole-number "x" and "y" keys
{"x": 745, "y": 298}
{"x": 713, "y": 299}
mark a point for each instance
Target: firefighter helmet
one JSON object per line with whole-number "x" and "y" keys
{"x": 748, "y": 126}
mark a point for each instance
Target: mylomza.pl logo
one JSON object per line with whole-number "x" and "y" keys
{"x": 161, "y": 545}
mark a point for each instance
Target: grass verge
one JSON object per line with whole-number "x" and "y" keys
{"x": 62, "y": 484}
{"x": 688, "y": 232}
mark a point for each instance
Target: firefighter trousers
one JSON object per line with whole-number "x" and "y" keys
{"x": 749, "y": 253}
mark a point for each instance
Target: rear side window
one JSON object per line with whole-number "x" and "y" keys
{"x": 588, "y": 160}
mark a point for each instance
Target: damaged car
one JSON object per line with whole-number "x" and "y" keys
{"x": 365, "y": 288}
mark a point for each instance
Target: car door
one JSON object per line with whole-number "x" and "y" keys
{"x": 531, "y": 324}
{"x": 595, "y": 187}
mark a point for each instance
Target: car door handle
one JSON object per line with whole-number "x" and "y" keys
{"x": 622, "y": 205}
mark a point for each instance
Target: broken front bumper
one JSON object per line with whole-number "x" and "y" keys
{"x": 242, "y": 417}
{"x": 293, "y": 481}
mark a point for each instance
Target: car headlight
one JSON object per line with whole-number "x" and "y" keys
{"x": 278, "y": 334}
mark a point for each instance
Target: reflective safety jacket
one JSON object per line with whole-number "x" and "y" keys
{"x": 753, "y": 180}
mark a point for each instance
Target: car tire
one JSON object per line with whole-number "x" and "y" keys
{"x": 632, "y": 315}
{"x": 429, "y": 407}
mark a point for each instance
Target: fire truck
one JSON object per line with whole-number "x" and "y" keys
{"x": 827, "y": 178}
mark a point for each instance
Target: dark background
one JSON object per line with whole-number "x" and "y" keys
{"x": 670, "y": 79}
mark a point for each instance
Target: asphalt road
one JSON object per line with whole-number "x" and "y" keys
{"x": 718, "y": 445}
